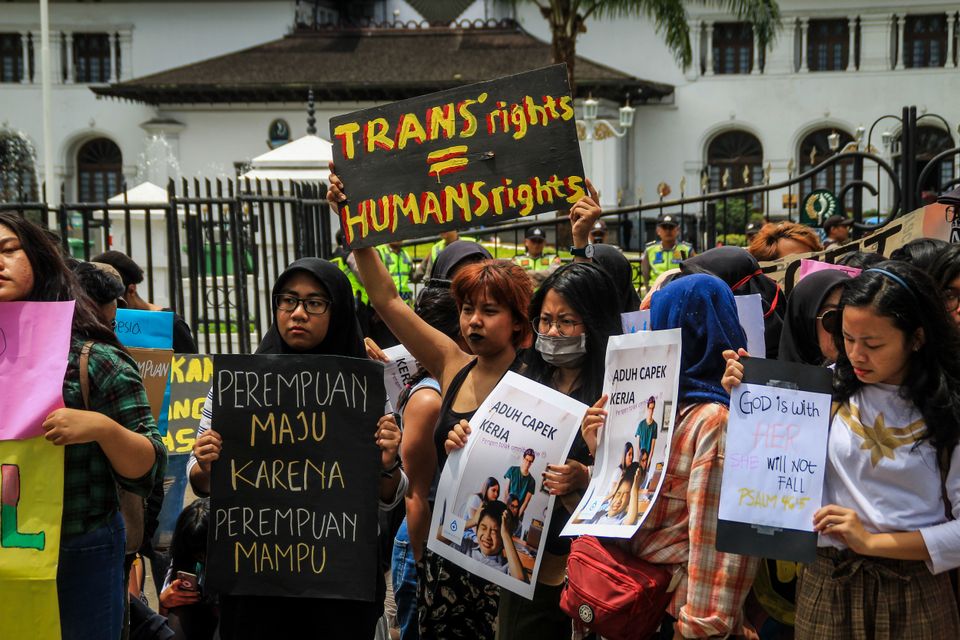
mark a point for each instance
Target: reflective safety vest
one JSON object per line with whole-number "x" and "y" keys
{"x": 662, "y": 260}
{"x": 359, "y": 293}
{"x": 399, "y": 265}
{"x": 529, "y": 263}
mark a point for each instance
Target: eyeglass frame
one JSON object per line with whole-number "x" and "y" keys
{"x": 535, "y": 322}
{"x": 301, "y": 301}
{"x": 835, "y": 312}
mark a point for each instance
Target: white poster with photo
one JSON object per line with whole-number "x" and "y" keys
{"x": 640, "y": 381}
{"x": 398, "y": 372}
{"x": 492, "y": 512}
{"x": 635, "y": 321}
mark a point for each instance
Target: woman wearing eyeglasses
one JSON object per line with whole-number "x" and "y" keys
{"x": 946, "y": 271}
{"x": 313, "y": 309}
{"x": 572, "y": 321}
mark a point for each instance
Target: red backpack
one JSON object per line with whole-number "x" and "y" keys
{"x": 611, "y": 592}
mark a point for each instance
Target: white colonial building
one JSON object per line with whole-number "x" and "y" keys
{"x": 186, "y": 89}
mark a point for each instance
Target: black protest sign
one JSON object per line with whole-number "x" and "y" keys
{"x": 293, "y": 508}
{"x": 190, "y": 379}
{"x": 489, "y": 151}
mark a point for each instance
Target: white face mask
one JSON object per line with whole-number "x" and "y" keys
{"x": 561, "y": 351}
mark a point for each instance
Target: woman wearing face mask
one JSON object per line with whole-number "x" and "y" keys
{"x": 313, "y": 314}
{"x": 572, "y": 321}
{"x": 892, "y": 468}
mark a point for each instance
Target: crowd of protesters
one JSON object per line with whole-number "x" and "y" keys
{"x": 891, "y": 336}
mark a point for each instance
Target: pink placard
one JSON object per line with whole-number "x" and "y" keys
{"x": 34, "y": 343}
{"x": 812, "y": 266}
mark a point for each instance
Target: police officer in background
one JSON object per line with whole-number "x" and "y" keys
{"x": 535, "y": 262}
{"x": 751, "y": 230}
{"x": 400, "y": 266}
{"x": 837, "y": 230}
{"x": 666, "y": 253}
{"x": 598, "y": 234}
{"x": 343, "y": 258}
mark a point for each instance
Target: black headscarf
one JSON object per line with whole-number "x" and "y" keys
{"x": 798, "y": 342}
{"x": 618, "y": 267}
{"x": 742, "y": 273}
{"x": 343, "y": 333}
{"x": 452, "y": 255}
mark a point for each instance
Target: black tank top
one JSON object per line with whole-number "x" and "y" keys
{"x": 445, "y": 421}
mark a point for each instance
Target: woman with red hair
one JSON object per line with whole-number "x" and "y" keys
{"x": 492, "y": 298}
{"x": 783, "y": 239}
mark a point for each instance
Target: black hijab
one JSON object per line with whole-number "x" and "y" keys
{"x": 742, "y": 273}
{"x": 618, "y": 268}
{"x": 451, "y": 256}
{"x": 343, "y": 333}
{"x": 798, "y": 342}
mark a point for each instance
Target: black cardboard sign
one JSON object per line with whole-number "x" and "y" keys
{"x": 293, "y": 508}
{"x": 490, "y": 151}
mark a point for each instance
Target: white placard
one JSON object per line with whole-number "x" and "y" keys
{"x": 518, "y": 429}
{"x": 398, "y": 372}
{"x": 750, "y": 312}
{"x": 775, "y": 455}
{"x": 641, "y": 378}
{"x": 635, "y": 321}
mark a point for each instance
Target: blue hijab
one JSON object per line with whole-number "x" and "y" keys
{"x": 703, "y": 308}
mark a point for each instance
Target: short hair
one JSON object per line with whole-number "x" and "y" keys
{"x": 764, "y": 244}
{"x": 505, "y": 283}
{"x": 102, "y": 286}
{"x": 130, "y": 271}
{"x": 494, "y": 509}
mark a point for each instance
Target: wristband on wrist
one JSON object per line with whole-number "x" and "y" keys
{"x": 389, "y": 471}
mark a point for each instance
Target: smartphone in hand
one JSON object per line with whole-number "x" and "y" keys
{"x": 188, "y": 581}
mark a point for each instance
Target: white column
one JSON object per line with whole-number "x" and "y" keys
{"x": 25, "y": 52}
{"x": 852, "y": 48}
{"x": 709, "y": 49}
{"x": 113, "y": 57}
{"x": 901, "y": 41}
{"x": 68, "y": 45}
{"x": 126, "y": 55}
{"x": 804, "y": 44}
{"x": 757, "y": 51}
{"x": 696, "y": 29}
{"x": 951, "y": 36}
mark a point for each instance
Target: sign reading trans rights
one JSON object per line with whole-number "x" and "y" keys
{"x": 489, "y": 151}
{"x": 294, "y": 494}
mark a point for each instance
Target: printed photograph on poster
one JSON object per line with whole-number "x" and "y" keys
{"x": 634, "y": 444}
{"x": 492, "y": 514}
{"x": 398, "y": 372}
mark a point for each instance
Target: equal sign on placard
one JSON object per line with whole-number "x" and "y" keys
{"x": 444, "y": 161}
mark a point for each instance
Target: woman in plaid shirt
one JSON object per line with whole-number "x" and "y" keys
{"x": 114, "y": 443}
{"x": 681, "y": 528}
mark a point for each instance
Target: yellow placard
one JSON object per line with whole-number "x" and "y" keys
{"x": 31, "y": 508}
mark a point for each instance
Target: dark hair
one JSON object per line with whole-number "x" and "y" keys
{"x": 130, "y": 271}
{"x": 920, "y": 252}
{"x": 54, "y": 282}
{"x": 589, "y": 291}
{"x": 859, "y": 259}
{"x": 502, "y": 281}
{"x": 436, "y": 306}
{"x": 487, "y": 485}
{"x": 494, "y": 509}
{"x": 101, "y": 286}
{"x": 946, "y": 266}
{"x": 190, "y": 536}
{"x": 932, "y": 382}
{"x": 512, "y": 497}
{"x": 627, "y": 446}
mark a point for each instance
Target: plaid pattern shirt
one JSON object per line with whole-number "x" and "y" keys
{"x": 682, "y": 529}
{"x": 116, "y": 390}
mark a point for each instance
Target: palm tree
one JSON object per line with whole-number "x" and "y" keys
{"x": 568, "y": 19}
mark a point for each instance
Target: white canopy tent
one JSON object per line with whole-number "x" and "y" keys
{"x": 304, "y": 159}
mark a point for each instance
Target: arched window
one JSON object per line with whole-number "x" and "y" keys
{"x": 99, "y": 170}
{"x": 931, "y": 140}
{"x": 18, "y": 174}
{"x": 814, "y": 149}
{"x": 739, "y": 156}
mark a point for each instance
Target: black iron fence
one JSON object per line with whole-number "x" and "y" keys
{"x": 211, "y": 250}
